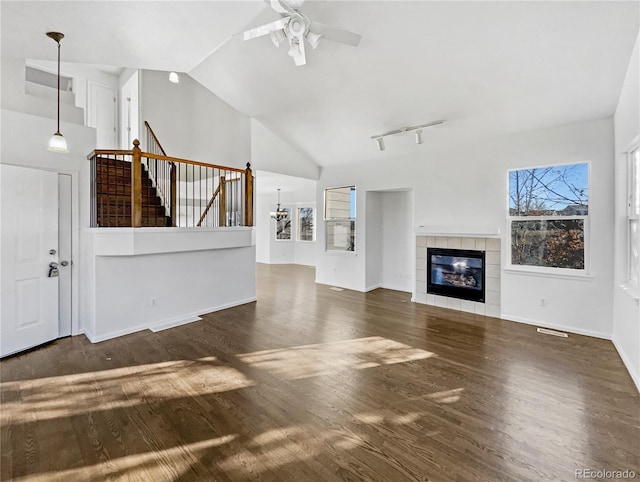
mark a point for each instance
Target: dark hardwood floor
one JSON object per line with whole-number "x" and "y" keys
{"x": 311, "y": 384}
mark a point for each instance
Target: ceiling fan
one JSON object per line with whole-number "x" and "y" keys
{"x": 296, "y": 27}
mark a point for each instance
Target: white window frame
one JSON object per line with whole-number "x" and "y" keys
{"x": 633, "y": 216}
{"x": 328, "y": 220}
{"x": 299, "y": 225}
{"x": 290, "y": 218}
{"x": 549, "y": 270}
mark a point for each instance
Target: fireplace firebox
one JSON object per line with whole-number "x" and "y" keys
{"x": 456, "y": 273}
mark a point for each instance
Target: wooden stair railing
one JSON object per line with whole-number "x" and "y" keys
{"x": 165, "y": 182}
{"x": 124, "y": 193}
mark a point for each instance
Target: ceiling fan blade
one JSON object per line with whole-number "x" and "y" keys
{"x": 265, "y": 29}
{"x": 335, "y": 34}
{"x": 280, "y": 6}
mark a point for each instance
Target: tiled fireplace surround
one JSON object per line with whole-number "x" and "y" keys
{"x": 491, "y": 246}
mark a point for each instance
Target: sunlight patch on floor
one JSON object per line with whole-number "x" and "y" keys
{"x": 163, "y": 464}
{"x": 325, "y": 358}
{"x": 48, "y": 398}
{"x": 446, "y": 396}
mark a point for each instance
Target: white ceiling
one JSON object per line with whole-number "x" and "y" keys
{"x": 484, "y": 67}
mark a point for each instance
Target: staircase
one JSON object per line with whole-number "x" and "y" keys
{"x": 113, "y": 196}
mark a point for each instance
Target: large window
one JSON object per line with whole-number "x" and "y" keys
{"x": 283, "y": 226}
{"x": 548, "y": 216}
{"x": 305, "y": 224}
{"x": 634, "y": 217}
{"x": 340, "y": 218}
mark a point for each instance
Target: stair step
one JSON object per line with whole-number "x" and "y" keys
{"x": 103, "y": 188}
{"x": 125, "y": 210}
{"x": 125, "y": 221}
{"x": 118, "y": 198}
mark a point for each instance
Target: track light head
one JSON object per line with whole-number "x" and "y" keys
{"x": 173, "y": 78}
{"x": 419, "y": 139}
{"x": 380, "y": 142}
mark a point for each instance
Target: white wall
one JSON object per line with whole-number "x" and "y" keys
{"x": 139, "y": 292}
{"x": 466, "y": 187}
{"x": 626, "y": 312}
{"x": 374, "y": 228}
{"x": 15, "y": 98}
{"x": 270, "y": 153}
{"x": 193, "y": 123}
{"x": 397, "y": 241}
{"x": 81, "y": 74}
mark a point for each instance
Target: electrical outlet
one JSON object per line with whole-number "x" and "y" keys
{"x": 153, "y": 302}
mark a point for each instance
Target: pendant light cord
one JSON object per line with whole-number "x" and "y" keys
{"x": 58, "y": 86}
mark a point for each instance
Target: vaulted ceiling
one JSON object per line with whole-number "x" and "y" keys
{"x": 486, "y": 68}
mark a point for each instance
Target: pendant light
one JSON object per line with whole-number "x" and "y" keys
{"x": 57, "y": 143}
{"x": 279, "y": 214}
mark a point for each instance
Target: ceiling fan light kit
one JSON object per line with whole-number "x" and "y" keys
{"x": 297, "y": 28}
{"x": 379, "y": 138}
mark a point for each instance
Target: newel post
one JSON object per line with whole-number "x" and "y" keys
{"x": 136, "y": 186}
{"x": 248, "y": 196}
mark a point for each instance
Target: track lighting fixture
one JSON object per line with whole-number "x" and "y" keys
{"x": 57, "y": 143}
{"x": 418, "y": 132}
{"x": 173, "y": 78}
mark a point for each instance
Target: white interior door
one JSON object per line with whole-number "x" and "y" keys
{"x": 64, "y": 255}
{"x": 28, "y": 234}
{"x": 129, "y": 112}
{"x": 102, "y": 115}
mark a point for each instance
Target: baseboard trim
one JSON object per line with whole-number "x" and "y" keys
{"x": 115, "y": 334}
{"x": 554, "y": 326}
{"x": 213, "y": 309}
{"x": 173, "y": 322}
{"x": 395, "y": 288}
{"x": 166, "y": 323}
{"x": 372, "y": 287}
{"x": 628, "y": 365}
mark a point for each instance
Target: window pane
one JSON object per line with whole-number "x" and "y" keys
{"x": 557, "y": 243}
{"x": 283, "y": 226}
{"x": 305, "y": 224}
{"x": 341, "y": 235}
{"x": 550, "y": 191}
{"x": 340, "y": 203}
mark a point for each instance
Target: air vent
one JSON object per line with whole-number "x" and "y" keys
{"x": 546, "y": 331}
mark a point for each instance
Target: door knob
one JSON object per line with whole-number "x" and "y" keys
{"x": 52, "y": 252}
{"x": 64, "y": 263}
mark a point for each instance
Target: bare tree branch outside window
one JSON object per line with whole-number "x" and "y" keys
{"x": 558, "y": 198}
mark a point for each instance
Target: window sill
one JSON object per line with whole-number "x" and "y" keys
{"x": 339, "y": 253}
{"x": 550, "y": 273}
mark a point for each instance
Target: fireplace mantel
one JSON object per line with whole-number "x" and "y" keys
{"x": 458, "y": 231}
